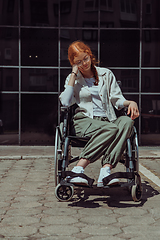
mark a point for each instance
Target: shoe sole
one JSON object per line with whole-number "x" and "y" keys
{"x": 109, "y": 184}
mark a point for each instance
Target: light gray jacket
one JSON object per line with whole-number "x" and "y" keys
{"x": 109, "y": 92}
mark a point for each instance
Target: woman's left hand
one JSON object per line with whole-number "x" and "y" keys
{"x": 133, "y": 110}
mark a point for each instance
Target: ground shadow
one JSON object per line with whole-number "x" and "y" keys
{"x": 113, "y": 197}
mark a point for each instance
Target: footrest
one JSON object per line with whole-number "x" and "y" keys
{"x": 82, "y": 175}
{"x": 127, "y": 175}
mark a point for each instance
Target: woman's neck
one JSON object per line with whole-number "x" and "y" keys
{"x": 88, "y": 74}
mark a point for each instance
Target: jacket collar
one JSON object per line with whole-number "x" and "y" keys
{"x": 101, "y": 71}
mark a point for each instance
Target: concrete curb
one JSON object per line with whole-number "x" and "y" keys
{"x": 18, "y": 157}
{"x": 25, "y": 157}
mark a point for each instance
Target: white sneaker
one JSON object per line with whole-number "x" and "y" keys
{"x": 105, "y": 172}
{"x": 78, "y": 180}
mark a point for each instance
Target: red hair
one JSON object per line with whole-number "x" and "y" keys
{"x": 78, "y": 46}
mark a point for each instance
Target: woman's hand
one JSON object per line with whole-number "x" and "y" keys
{"x": 133, "y": 110}
{"x": 75, "y": 68}
{"x": 73, "y": 75}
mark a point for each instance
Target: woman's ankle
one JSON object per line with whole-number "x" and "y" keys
{"x": 107, "y": 165}
{"x": 83, "y": 163}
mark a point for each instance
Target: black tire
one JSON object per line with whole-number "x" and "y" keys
{"x": 64, "y": 193}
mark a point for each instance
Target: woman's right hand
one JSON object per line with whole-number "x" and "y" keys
{"x": 73, "y": 75}
{"x": 75, "y": 68}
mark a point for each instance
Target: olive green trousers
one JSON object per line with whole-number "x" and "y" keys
{"x": 107, "y": 139}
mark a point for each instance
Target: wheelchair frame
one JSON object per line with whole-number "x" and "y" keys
{"x": 64, "y": 190}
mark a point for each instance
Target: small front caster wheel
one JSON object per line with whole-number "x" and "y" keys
{"x": 136, "y": 192}
{"x": 64, "y": 193}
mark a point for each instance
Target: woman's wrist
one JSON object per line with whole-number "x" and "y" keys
{"x": 126, "y": 103}
{"x": 74, "y": 73}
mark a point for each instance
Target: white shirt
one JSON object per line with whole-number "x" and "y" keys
{"x": 98, "y": 109}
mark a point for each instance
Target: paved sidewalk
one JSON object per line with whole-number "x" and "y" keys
{"x": 30, "y": 211}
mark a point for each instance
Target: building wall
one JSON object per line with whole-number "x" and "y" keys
{"x": 124, "y": 35}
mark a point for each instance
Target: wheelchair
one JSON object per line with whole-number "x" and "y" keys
{"x": 65, "y": 139}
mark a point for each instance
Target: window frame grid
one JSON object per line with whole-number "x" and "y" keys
{"x": 59, "y": 68}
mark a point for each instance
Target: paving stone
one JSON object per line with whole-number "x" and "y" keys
{"x": 26, "y": 205}
{"x": 54, "y": 237}
{"x": 138, "y": 220}
{"x": 14, "y": 231}
{"x": 19, "y": 221}
{"x": 59, "y": 230}
{"x": 63, "y": 220}
{"x": 96, "y": 212}
{"x": 15, "y": 238}
{"x": 4, "y": 204}
{"x": 28, "y": 199}
{"x": 99, "y": 230}
{"x": 148, "y": 231}
{"x": 23, "y": 212}
{"x": 56, "y": 204}
{"x": 155, "y": 212}
{"x": 144, "y": 237}
{"x": 157, "y": 223}
{"x": 131, "y": 211}
{"x": 31, "y": 192}
{"x": 60, "y": 211}
{"x": 103, "y": 238}
{"x": 99, "y": 220}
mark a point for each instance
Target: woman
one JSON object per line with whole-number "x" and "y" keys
{"x": 96, "y": 91}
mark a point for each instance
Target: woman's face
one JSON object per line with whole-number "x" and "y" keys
{"x": 83, "y": 61}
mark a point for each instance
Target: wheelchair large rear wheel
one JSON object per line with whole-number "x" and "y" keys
{"x": 58, "y": 154}
{"x": 135, "y": 152}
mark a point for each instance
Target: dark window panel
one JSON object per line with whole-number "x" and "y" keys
{"x": 119, "y": 48}
{"x": 63, "y": 74}
{"x": 75, "y": 13}
{"x": 9, "y": 79}
{"x": 9, "y": 119}
{"x": 151, "y": 12}
{"x": 39, "y": 47}
{"x": 39, "y": 13}
{"x": 129, "y": 79}
{"x": 39, "y": 119}
{"x": 9, "y": 46}
{"x": 151, "y": 80}
{"x": 9, "y": 12}
{"x": 150, "y": 48}
{"x": 39, "y": 80}
{"x": 90, "y": 35}
{"x": 150, "y": 134}
{"x": 120, "y": 14}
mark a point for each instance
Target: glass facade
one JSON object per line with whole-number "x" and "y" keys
{"x": 124, "y": 35}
